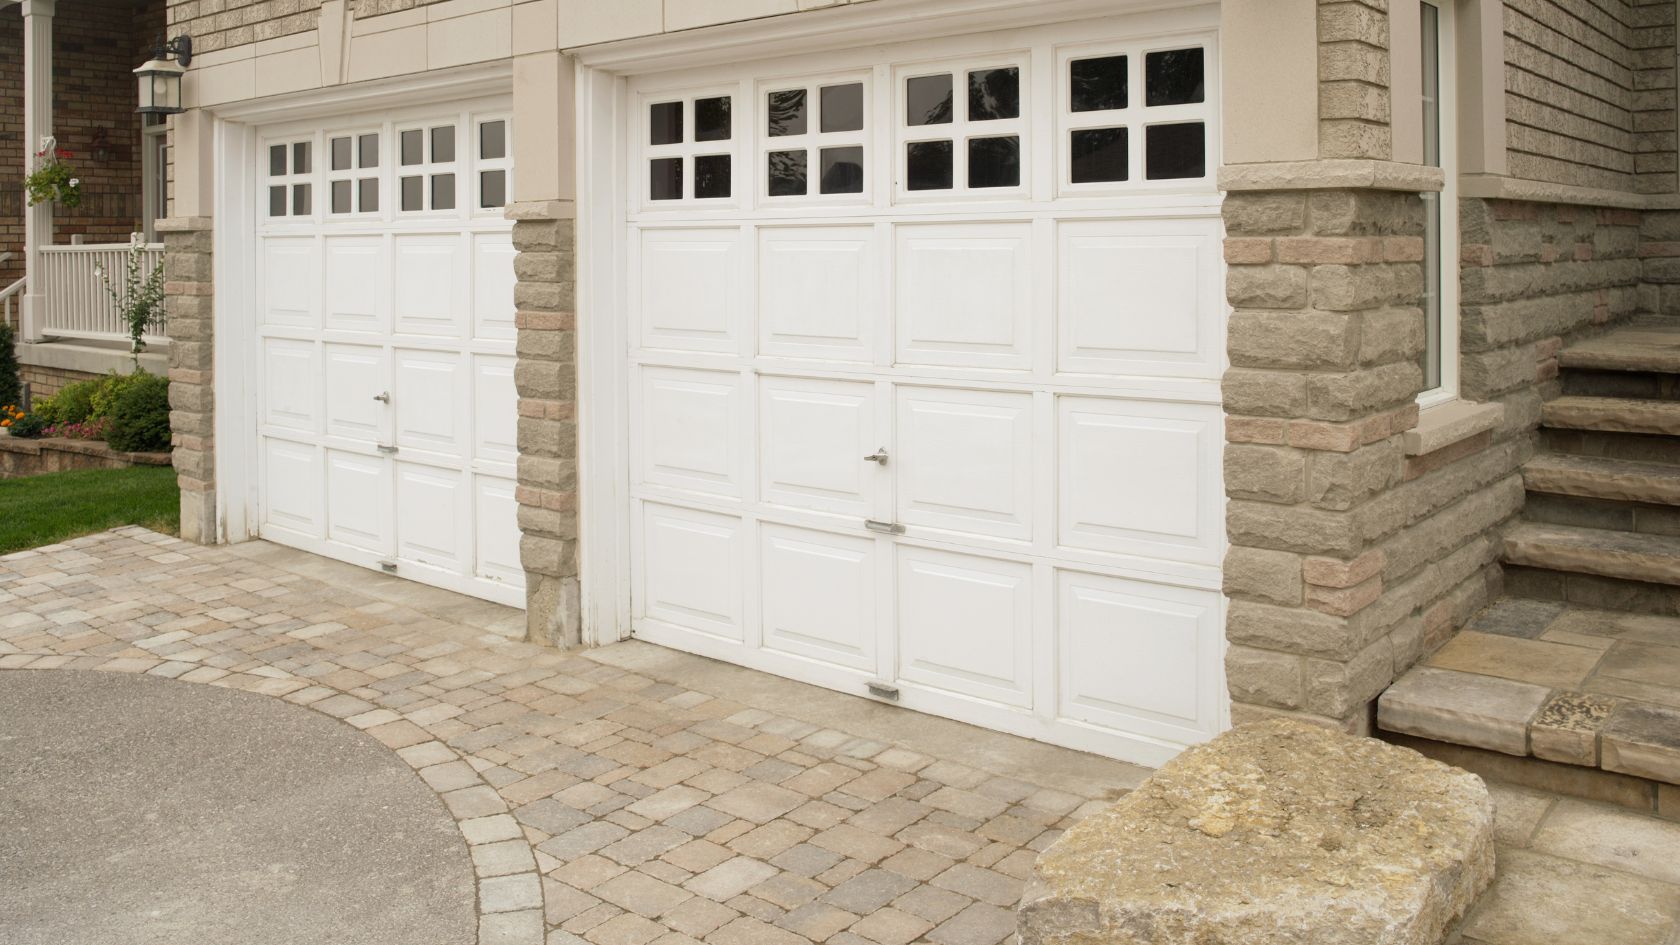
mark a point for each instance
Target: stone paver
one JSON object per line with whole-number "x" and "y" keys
{"x": 603, "y": 800}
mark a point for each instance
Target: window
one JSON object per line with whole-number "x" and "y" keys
{"x": 353, "y": 173}
{"x": 1134, "y": 116}
{"x": 689, "y": 145}
{"x": 1440, "y": 252}
{"x": 495, "y": 155}
{"x": 154, "y": 173}
{"x": 427, "y": 173}
{"x": 290, "y": 179}
{"x": 960, "y": 129}
{"x": 813, "y": 140}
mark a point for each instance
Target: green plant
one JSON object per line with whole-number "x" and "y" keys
{"x": 138, "y": 295}
{"x": 53, "y": 178}
{"x": 11, "y": 389}
{"x": 27, "y": 426}
{"x": 140, "y": 416}
{"x": 72, "y": 404}
{"x": 109, "y": 388}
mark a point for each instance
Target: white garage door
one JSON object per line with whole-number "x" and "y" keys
{"x": 386, "y": 408}
{"x": 924, "y": 355}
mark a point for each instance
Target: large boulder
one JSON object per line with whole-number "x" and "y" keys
{"x": 1276, "y": 833}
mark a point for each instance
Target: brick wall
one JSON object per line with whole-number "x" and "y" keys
{"x": 1354, "y": 103}
{"x": 46, "y": 381}
{"x": 223, "y": 24}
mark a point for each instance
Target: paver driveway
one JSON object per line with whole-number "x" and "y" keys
{"x": 623, "y": 795}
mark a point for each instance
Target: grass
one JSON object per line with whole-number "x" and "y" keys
{"x": 42, "y": 510}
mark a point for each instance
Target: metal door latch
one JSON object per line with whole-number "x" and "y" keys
{"x": 879, "y": 456}
{"x": 383, "y": 397}
{"x": 387, "y": 449}
{"x": 885, "y": 528}
{"x": 389, "y": 567}
{"x": 882, "y": 690}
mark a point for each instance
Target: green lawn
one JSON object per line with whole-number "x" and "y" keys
{"x": 41, "y": 510}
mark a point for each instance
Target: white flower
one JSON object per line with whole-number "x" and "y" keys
{"x": 75, "y": 182}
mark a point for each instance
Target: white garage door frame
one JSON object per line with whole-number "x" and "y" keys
{"x": 235, "y": 156}
{"x": 604, "y": 112}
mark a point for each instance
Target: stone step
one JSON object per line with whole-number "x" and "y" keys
{"x": 1635, "y": 447}
{"x": 1612, "y": 414}
{"x": 1652, "y": 559}
{"x": 1596, "y": 478}
{"x": 1633, "y": 385}
{"x": 1650, "y": 345}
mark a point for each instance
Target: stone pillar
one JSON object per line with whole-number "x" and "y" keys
{"x": 546, "y": 377}
{"x": 187, "y": 291}
{"x": 37, "y": 124}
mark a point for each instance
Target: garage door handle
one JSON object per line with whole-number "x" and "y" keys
{"x": 383, "y": 397}
{"x": 885, "y": 528}
{"x": 386, "y": 449}
{"x": 879, "y": 456}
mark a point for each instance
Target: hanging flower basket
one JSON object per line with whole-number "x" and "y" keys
{"x": 53, "y": 179}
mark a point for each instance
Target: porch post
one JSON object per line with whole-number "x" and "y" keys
{"x": 37, "y": 123}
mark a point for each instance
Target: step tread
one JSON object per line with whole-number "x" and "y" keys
{"x": 1654, "y": 559}
{"x": 1643, "y": 346}
{"x": 1612, "y": 414}
{"x": 1596, "y": 477}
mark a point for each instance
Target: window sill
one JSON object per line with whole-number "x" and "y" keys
{"x": 1442, "y": 426}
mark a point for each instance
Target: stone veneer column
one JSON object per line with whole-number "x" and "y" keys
{"x": 546, "y": 377}
{"x": 187, "y": 291}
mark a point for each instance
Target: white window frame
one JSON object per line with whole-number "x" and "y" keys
{"x": 687, "y": 149}
{"x": 154, "y": 176}
{"x": 961, "y": 129}
{"x": 1447, "y": 244}
{"x": 814, "y": 140}
{"x": 355, "y": 173}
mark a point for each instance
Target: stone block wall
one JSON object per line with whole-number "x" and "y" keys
{"x": 546, "y": 377}
{"x": 1659, "y": 254}
{"x": 188, "y": 296}
{"x": 1354, "y": 102}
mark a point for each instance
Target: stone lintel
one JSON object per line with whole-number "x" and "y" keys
{"x": 182, "y": 224}
{"x": 1337, "y": 174}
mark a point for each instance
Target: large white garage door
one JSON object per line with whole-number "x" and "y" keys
{"x": 924, "y": 354}
{"x": 386, "y": 409}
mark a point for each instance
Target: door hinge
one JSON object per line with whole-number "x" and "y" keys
{"x": 387, "y": 449}
{"x": 882, "y": 690}
{"x": 885, "y": 528}
{"x": 389, "y": 567}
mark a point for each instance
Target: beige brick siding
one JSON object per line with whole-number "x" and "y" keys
{"x": 1590, "y": 93}
{"x": 46, "y": 381}
{"x": 1354, "y": 103}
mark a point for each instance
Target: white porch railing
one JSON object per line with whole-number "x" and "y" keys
{"x": 77, "y": 305}
{"x": 8, "y": 299}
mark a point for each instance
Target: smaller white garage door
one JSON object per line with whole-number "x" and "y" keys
{"x": 386, "y": 411}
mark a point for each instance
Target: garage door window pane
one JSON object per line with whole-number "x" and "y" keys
{"x": 411, "y": 145}
{"x": 1099, "y": 154}
{"x": 711, "y": 176}
{"x": 1173, "y": 77}
{"x": 994, "y": 94}
{"x": 787, "y": 173}
{"x": 340, "y": 199}
{"x": 276, "y": 201}
{"x": 367, "y": 195}
{"x": 665, "y": 124}
{"x": 928, "y": 165}
{"x": 443, "y": 191}
{"x": 994, "y": 162}
{"x": 842, "y": 171}
{"x": 1175, "y": 151}
{"x": 367, "y": 148}
{"x": 412, "y": 189}
{"x": 277, "y": 160}
{"x": 786, "y": 113}
{"x": 443, "y": 144}
{"x": 665, "y": 179}
{"x": 492, "y": 188}
{"x": 492, "y": 140}
{"x": 1098, "y": 85}
{"x": 300, "y": 158}
{"x": 339, "y": 156}
{"x": 300, "y": 200}
{"x": 842, "y": 107}
{"x": 927, "y": 100}
{"x": 711, "y": 119}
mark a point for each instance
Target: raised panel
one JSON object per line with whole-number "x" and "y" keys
{"x": 496, "y": 531}
{"x": 355, "y": 376}
{"x": 693, "y": 430}
{"x": 495, "y": 410}
{"x": 818, "y": 291}
{"x": 430, "y": 401}
{"x": 292, "y": 486}
{"x": 812, "y": 440}
{"x": 356, "y": 282}
{"x": 965, "y": 624}
{"x": 965, "y": 461}
{"x": 964, "y": 295}
{"x": 692, "y": 570}
{"x": 493, "y": 281}
{"x": 1140, "y": 297}
{"x": 1138, "y": 657}
{"x": 1140, "y": 478}
{"x": 819, "y": 596}
{"x": 359, "y": 501}
{"x": 291, "y": 385}
{"x": 291, "y": 285}
{"x": 429, "y": 276}
{"x": 432, "y": 506}
{"x": 690, "y": 290}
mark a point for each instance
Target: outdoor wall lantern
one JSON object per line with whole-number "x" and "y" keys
{"x": 160, "y": 79}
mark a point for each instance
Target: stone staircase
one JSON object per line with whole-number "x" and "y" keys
{"x": 1572, "y": 682}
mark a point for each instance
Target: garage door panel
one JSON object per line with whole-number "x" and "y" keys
{"x": 291, "y": 384}
{"x": 493, "y": 281}
{"x": 818, "y": 292}
{"x": 1140, "y": 478}
{"x": 496, "y": 531}
{"x": 292, "y": 486}
{"x": 965, "y": 624}
{"x": 819, "y": 596}
{"x": 965, "y": 461}
{"x": 356, "y": 283}
{"x": 692, "y": 569}
{"x": 964, "y": 295}
{"x": 432, "y": 506}
{"x": 1136, "y": 656}
{"x": 690, "y": 291}
{"x": 813, "y": 437}
{"x": 693, "y": 430}
{"x": 430, "y": 401}
{"x": 495, "y": 410}
{"x": 358, "y": 493}
{"x": 291, "y": 284}
{"x": 355, "y": 376}
{"x": 430, "y": 283}
{"x": 1138, "y": 297}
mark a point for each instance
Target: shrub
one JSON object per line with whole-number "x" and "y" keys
{"x": 27, "y": 426}
{"x": 72, "y": 404}
{"x": 110, "y": 388}
{"x": 140, "y": 416}
{"x": 11, "y": 389}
